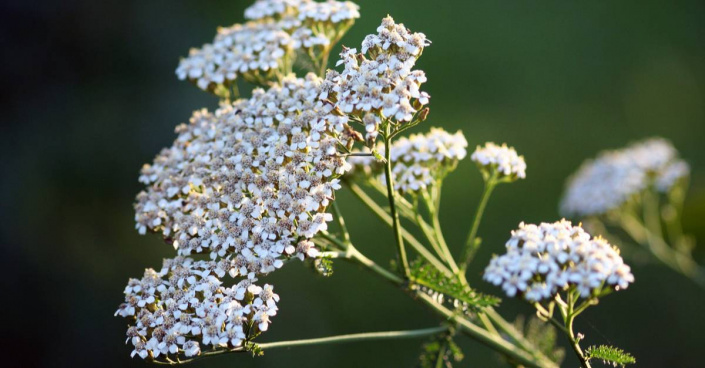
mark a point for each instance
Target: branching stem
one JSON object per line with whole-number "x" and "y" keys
{"x": 472, "y": 244}
{"x": 391, "y": 194}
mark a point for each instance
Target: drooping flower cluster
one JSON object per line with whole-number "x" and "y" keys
{"x": 615, "y": 176}
{"x": 185, "y": 305}
{"x": 267, "y": 43}
{"x": 500, "y": 160}
{"x": 250, "y": 182}
{"x": 543, "y": 260}
{"x": 418, "y": 161}
{"x": 383, "y": 86}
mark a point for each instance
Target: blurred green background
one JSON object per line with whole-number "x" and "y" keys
{"x": 89, "y": 95}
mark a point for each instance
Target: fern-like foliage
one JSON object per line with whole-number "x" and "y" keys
{"x": 609, "y": 355}
{"x": 444, "y": 289}
{"x": 440, "y": 351}
{"x": 541, "y": 335}
{"x": 324, "y": 266}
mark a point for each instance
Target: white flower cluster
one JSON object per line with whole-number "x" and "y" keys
{"x": 185, "y": 305}
{"x": 263, "y": 45}
{"x": 502, "y": 160}
{"x": 304, "y": 10}
{"x": 249, "y": 48}
{"x": 250, "y": 182}
{"x": 418, "y": 161}
{"x": 543, "y": 260}
{"x": 383, "y": 86}
{"x": 615, "y": 176}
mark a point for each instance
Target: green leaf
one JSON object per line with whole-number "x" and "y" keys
{"x": 436, "y": 284}
{"x": 440, "y": 351}
{"x": 253, "y": 348}
{"x": 324, "y": 266}
{"x": 378, "y": 156}
{"x": 609, "y": 355}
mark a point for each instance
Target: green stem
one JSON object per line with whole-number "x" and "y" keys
{"x": 569, "y": 317}
{"x": 524, "y": 352}
{"x": 440, "y": 359}
{"x": 384, "y": 216}
{"x": 357, "y": 337}
{"x": 432, "y": 203}
{"x": 471, "y": 244}
{"x": 391, "y": 194}
{"x": 365, "y": 336}
{"x": 678, "y": 261}
{"x": 483, "y": 336}
{"x": 341, "y": 223}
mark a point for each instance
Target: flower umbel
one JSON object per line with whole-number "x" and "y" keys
{"x": 184, "y": 308}
{"x": 614, "y": 177}
{"x": 250, "y": 182}
{"x": 543, "y": 260}
{"x": 500, "y": 161}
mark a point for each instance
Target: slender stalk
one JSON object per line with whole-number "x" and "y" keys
{"x": 384, "y": 216}
{"x": 679, "y": 262}
{"x": 523, "y": 351}
{"x": 429, "y": 234}
{"x": 569, "y": 317}
{"x": 356, "y": 337}
{"x": 365, "y": 336}
{"x": 391, "y": 194}
{"x": 471, "y": 244}
{"x": 323, "y": 64}
{"x": 370, "y": 264}
{"x": 433, "y": 205}
{"x": 341, "y": 223}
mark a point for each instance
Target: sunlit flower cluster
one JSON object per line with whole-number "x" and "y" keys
{"x": 500, "y": 160}
{"x": 615, "y": 176}
{"x": 418, "y": 161}
{"x": 303, "y": 10}
{"x": 543, "y": 260}
{"x": 185, "y": 307}
{"x": 250, "y": 48}
{"x": 267, "y": 43}
{"x": 251, "y": 181}
{"x": 383, "y": 86}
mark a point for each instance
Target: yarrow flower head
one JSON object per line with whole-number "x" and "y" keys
{"x": 543, "y": 260}
{"x": 500, "y": 161}
{"x": 185, "y": 307}
{"x": 304, "y": 10}
{"x": 250, "y": 182}
{"x": 266, "y": 45}
{"x": 616, "y": 176}
{"x": 418, "y": 161}
{"x": 383, "y": 86}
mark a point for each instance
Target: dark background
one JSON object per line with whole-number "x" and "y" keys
{"x": 89, "y": 95}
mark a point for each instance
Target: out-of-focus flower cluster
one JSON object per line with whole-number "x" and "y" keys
{"x": 250, "y": 182}
{"x": 383, "y": 86}
{"x": 543, "y": 260}
{"x": 185, "y": 305}
{"x": 500, "y": 160}
{"x": 267, "y": 44}
{"x": 616, "y": 176}
{"x": 418, "y": 161}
